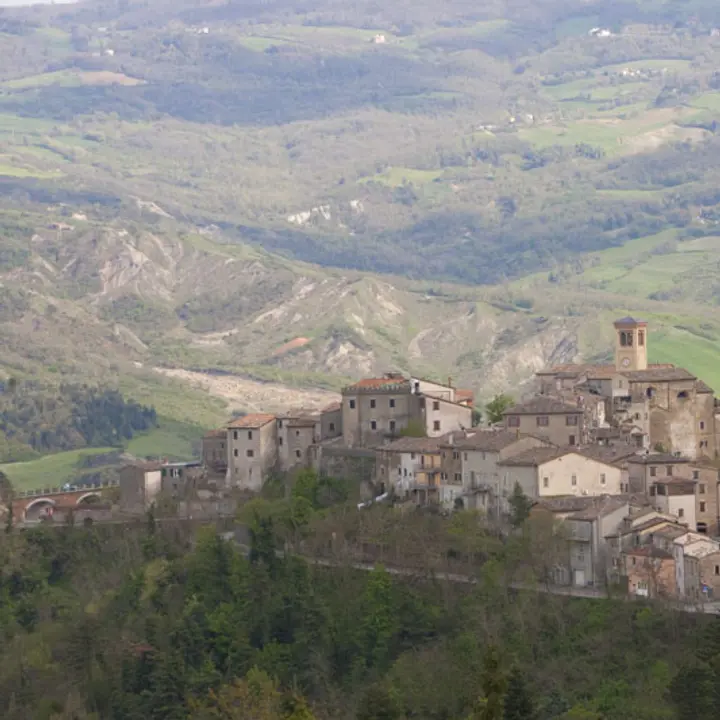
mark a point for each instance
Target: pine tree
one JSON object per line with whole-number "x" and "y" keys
{"x": 518, "y": 701}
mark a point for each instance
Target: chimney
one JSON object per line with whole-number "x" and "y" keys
{"x": 449, "y": 381}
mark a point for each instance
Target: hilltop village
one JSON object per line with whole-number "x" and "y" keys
{"x": 623, "y": 456}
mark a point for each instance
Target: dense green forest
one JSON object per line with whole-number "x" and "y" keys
{"x": 37, "y": 419}
{"x": 162, "y": 622}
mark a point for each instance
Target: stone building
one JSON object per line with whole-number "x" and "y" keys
{"x": 253, "y": 450}
{"x": 555, "y": 420}
{"x": 470, "y": 461}
{"x": 377, "y": 410}
{"x": 677, "y": 411}
{"x": 215, "y": 451}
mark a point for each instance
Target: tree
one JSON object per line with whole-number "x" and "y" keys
{"x": 379, "y": 703}
{"x": 693, "y": 691}
{"x": 518, "y": 701}
{"x": 494, "y": 687}
{"x": 520, "y": 506}
{"x": 497, "y": 406}
{"x": 256, "y": 697}
{"x": 476, "y": 417}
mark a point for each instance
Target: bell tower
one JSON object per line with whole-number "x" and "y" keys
{"x": 630, "y": 344}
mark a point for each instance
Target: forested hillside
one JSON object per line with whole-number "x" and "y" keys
{"x": 145, "y": 623}
{"x": 36, "y": 419}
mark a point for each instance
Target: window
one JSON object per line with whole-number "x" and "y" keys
{"x": 513, "y": 421}
{"x": 681, "y": 512}
{"x": 280, "y": 424}
{"x": 653, "y": 471}
{"x": 546, "y": 482}
{"x": 620, "y": 383}
{"x": 683, "y": 395}
{"x": 668, "y": 470}
{"x": 702, "y": 424}
{"x": 392, "y": 426}
{"x": 623, "y": 339}
{"x": 542, "y": 420}
{"x": 458, "y": 478}
{"x": 235, "y": 435}
{"x": 392, "y": 402}
{"x": 465, "y": 457}
{"x": 633, "y": 561}
{"x": 372, "y": 402}
{"x": 571, "y": 440}
{"x": 641, "y": 338}
{"x": 436, "y": 404}
{"x": 297, "y": 433}
{"x": 332, "y": 427}
{"x": 574, "y": 480}
{"x": 702, "y": 506}
{"x": 637, "y": 416}
{"x": 235, "y": 452}
{"x": 351, "y": 403}
{"x": 249, "y": 434}
{"x": 298, "y": 453}
{"x": 412, "y": 456}
{"x": 581, "y": 557}
{"x": 653, "y": 491}
{"x": 717, "y": 569}
{"x": 280, "y": 441}
{"x": 571, "y": 420}
{"x": 436, "y": 425}
{"x": 250, "y": 453}
{"x": 373, "y": 425}
{"x": 650, "y": 392}
{"x": 602, "y": 478}
{"x": 702, "y": 485}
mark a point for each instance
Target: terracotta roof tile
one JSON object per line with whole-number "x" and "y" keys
{"x": 379, "y": 383}
{"x": 657, "y": 458}
{"x": 254, "y": 420}
{"x": 332, "y": 407}
{"x": 483, "y": 440}
{"x": 219, "y": 433}
{"x": 653, "y": 374}
{"x": 650, "y": 551}
{"x": 703, "y": 387}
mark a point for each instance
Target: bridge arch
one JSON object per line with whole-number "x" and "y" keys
{"x": 49, "y": 502}
{"x": 89, "y": 498}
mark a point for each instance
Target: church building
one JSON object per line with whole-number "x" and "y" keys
{"x": 676, "y": 411}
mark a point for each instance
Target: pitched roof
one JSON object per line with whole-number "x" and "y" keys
{"x": 583, "y": 507}
{"x": 595, "y": 371}
{"x": 219, "y": 433}
{"x": 658, "y": 375}
{"x": 543, "y": 405}
{"x": 534, "y": 456}
{"x": 483, "y": 440}
{"x": 332, "y": 407}
{"x": 379, "y": 383}
{"x": 462, "y": 395}
{"x": 540, "y": 455}
{"x": 702, "y": 387}
{"x": 628, "y": 321}
{"x": 254, "y": 420}
{"x": 415, "y": 444}
{"x": 657, "y": 459}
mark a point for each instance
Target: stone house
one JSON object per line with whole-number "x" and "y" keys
{"x": 644, "y": 471}
{"x": 674, "y": 408}
{"x": 650, "y": 572}
{"x": 297, "y": 430}
{"x": 555, "y": 420}
{"x": 331, "y": 422}
{"x": 470, "y": 460}
{"x": 253, "y": 450}
{"x": 215, "y": 451}
{"x": 587, "y": 523}
{"x": 142, "y": 484}
{"x": 547, "y": 471}
{"x": 675, "y": 496}
{"x": 697, "y": 567}
{"x": 377, "y": 410}
{"x": 399, "y": 462}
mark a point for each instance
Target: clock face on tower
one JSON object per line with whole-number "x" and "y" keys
{"x": 625, "y": 362}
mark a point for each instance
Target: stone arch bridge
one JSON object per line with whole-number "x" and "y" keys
{"x": 36, "y": 504}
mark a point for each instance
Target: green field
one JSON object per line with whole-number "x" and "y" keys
{"x": 49, "y": 471}
{"x": 172, "y": 440}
